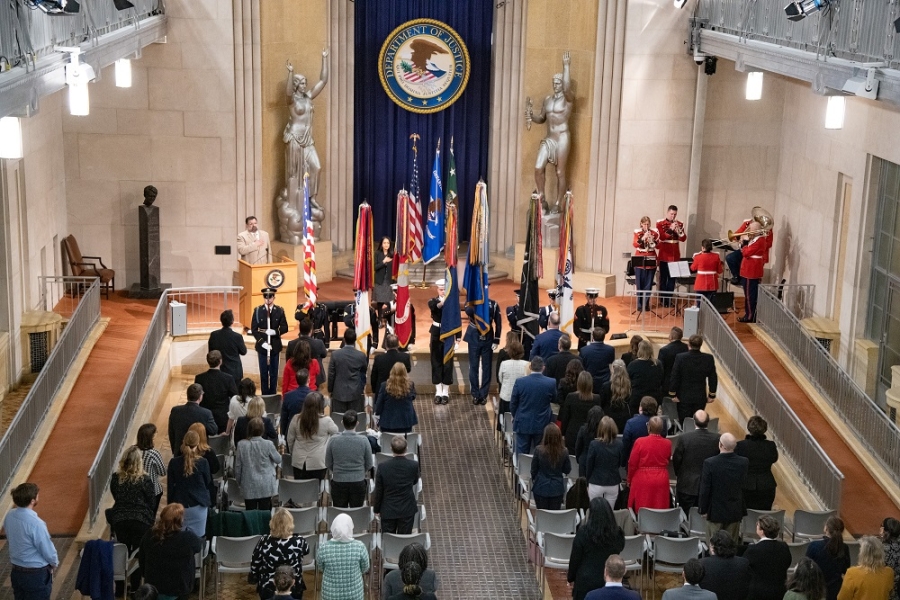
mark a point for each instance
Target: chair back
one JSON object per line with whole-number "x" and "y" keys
{"x": 362, "y": 422}
{"x": 362, "y": 517}
{"x": 306, "y": 520}
{"x": 748, "y": 523}
{"x": 696, "y": 522}
{"x": 798, "y": 551}
{"x": 413, "y": 440}
{"x": 309, "y": 561}
{"x": 393, "y": 543}
{"x": 633, "y": 552}
{"x": 625, "y": 520}
{"x": 853, "y": 547}
{"x": 299, "y": 491}
{"x": 287, "y": 469}
{"x": 120, "y": 561}
{"x": 233, "y": 554}
{"x": 654, "y": 520}
{"x": 273, "y": 403}
{"x": 220, "y": 474}
{"x": 74, "y": 254}
{"x": 523, "y": 466}
{"x": 233, "y": 489}
{"x": 809, "y": 524}
{"x": 557, "y": 549}
{"x": 573, "y": 474}
{"x": 220, "y": 444}
{"x": 555, "y": 521}
{"x": 675, "y": 551}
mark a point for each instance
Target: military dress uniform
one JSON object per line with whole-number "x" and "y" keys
{"x": 644, "y": 275}
{"x": 318, "y": 316}
{"x": 708, "y": 266}
{"x": 668, "y": 250}
{"x": 268, "y": 319}
{"x": 481, "y": 352}
{"x": 587, "y": 317}
{"x": 546, "y": 311}
{"x": 752, "y": 266}
{"x": 441, "y": 372}
{"x": 512, "y": 317}
{"x": 350, "y": 322}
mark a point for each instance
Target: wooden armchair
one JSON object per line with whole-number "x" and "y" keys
{"x": 89, "y": 268}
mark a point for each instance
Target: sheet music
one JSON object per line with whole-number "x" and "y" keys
{"x": 679, "y": 269}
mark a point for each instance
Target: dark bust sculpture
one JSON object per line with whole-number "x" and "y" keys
{"x": 150, "y": 193}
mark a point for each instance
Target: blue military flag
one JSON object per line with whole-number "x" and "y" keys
{"x": 434, "y": 216}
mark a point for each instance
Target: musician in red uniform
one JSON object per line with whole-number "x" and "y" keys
{"x": 734, "y": 258}
{"x": 753, "y": 250}
{"x": 708, "y": 266}
{"x": 645, "y": 240}
{"x": 671, "y": 233}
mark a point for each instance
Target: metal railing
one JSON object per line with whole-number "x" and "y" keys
{"x": 793, "y": 438}
{"x": 62, "y": 295}
{"x": 28, "y": 419}
{"x": 871, "y": 425}
{"x": 206, "y": 301}
{"x": 797, "y": 298}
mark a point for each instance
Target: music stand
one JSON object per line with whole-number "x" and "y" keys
{"x": 725, "y": 247}
{"x": 644, "y": 262}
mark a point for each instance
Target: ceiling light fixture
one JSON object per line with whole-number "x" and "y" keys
{"x": 754, "y": 85}
{"x": 123, "y": 73}
{"x": 834, "y": 113}
{"x": 77, "y": 77}
{"x": 10, "y": 138}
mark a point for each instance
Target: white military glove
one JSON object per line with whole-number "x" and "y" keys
{"x": 266, "y": 346}
{"x": 494, "y": 347}
{"x": 270, "y": 332}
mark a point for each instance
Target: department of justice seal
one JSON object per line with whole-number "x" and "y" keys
{"x": 424, "y": 65}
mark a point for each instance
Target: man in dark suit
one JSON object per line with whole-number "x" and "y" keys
{"x": 182, "y": 417}
{"x": 395, "y": 495}
{"x": 721, "y": 499}
{"x": 230, "y": 344}
{"x": 668, "y": 353}
{"x": 555, "y": 366}
{"x": 347, "y": 376}
{"x": 690, "y": 374}
{"x": 691, "y": 449}
{"x": 546, "y": 344}
{"x": 636, "y": 427}
{"x": 218, "y": 389}
{"x": 381, "y": 366}
{"x": 530, "y": 406}
{"x": 481, "y": 351}
{"x": 727, "y": 575}
{"x": 613, "y": 573}
{"x": 769, "y": 559}
{"x": 597, "y": 356}
{"x": 267, "y": 326}
{"x": 317, "y": 348}
{"x": 693, "y": 574}
{"x": 292, "y": 403}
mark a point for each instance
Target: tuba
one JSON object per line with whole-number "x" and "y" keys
{"x": 761, "y": 216}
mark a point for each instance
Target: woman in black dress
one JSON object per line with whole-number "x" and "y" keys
{"x": 384, "y": 258}
{"x": 633, "y": 343}
{"x": 133, "y": 512}
{"x": 569, "y": 382}
{"x": 616, "y": 394}
{"x": 759, "y": 484}
{"x": 573, "y": 411}
{"x": 597, "y": 539}
{"x": 646, "y": 374}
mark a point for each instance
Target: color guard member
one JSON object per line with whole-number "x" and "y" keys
{"x": 588, "y": 316}
{"x": 267, "y": 326}
{"x": 441, "y": 372}
{"x": 551, "y": 308}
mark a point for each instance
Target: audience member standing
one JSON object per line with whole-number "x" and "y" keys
{"x": 806, "y": 582}
{"x": 668, "y": 353}
{"x": 209, "y": 455}
{"x": 317, "y": 347}
{"x": 636, "y": 426}
{"x": 871, "y": 579}
{"x": 133, "y": 512}
{"x": 648, "y": 469}
{"x": 598, "y": 538}
{"x": 646, "y": 375}
{"x": 393, "y": 581}
{"x": 605, "y": 457}
{"x": 587, "y": 434}
{"x": 569, "y": 383}
{"x": 769, "y": 559}
{"x": 633, "y": 345}
{"x": 347, "y": 376}
{"x": 546, "y": 344}
{"x": 152, "y": 459}
{"x": 237, "y": 407}
{"x": 281, "y": 546}
{"x": 256, "y": 409}
{"x": 890, "y": 537}
{"x": 726, "y": 575}
{"x": 349, "y": 456}
{"x": 574, "y": 410}
{"x": 395, "y": 496}
{"x": 615, "y": 403}
{"x": 549, "y": 468}
{"x": 188, "y": 479}
{"x": 394, "y": 402}
{"x": 383, "y": 363}
{"x": 555, "y": 366}
{"x": 720, "y": 499}
{"x": 230, "y": 344}
{"x": 167, "y": 554}
{"x": 342, "y": 560}
{"x": 182, "y": 417}
{"x": 307, "y": 436}
{"x": 759, "y": 485}
{"x": 832, "y": 556}
{"x": 255, "y": 461}
{"x": 509, "y": 371}
{"x": 692, "y": 372}
{"x": 218, "y": 388}
{"x": 596, "y": 357}
{"x": 530, "y": 406}
{"x": 292, "y": 403}
{"x": 691, "y": 449}
{"x": 300, "y": 359}
{"x": 613, "y": 573}
{"x": 32, "y": 555}
{"x": 411, "y": 575}
{"x": 693, "y": 574}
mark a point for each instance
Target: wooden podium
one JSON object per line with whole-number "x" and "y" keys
{"x": 281, "y": 275}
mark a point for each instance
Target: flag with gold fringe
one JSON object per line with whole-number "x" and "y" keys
{"x": 451, "y": 321}
{"x": 363, "y": 274}
{"x": 405, "y": 246}
{"x": 565, "y": 268}
{"x": 475, "y": 280}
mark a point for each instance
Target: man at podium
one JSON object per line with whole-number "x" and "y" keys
{"x": 268, "y": 325}
{"x": 253, "y": 244}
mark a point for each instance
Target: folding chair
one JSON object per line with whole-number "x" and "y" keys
{"x": 234, "y": 495}
{"x": 551, "y": 521}
{"x": 300, "y": 492}
{"x": 306, "y": 520}
{"x": 809, "y": 524}
{"x": 625, "y": 519}
{"x": 394, "y": 543}
{"x": 308, "y": 562}
{"x": 671, "y": 554}
{"x": 633, "y": 554}
{"x": 362, "y": 422}
{"x": 287, "y": 469}
{"x": 798, "y": 551}
{"x": 748, "y": 523}
{"x": 522, "y": 483}
{"x": 233, "y": 555}
{"x": 696, "y": 523}
{"x": 273, "y": 403}
{"x": 221, "y": 444}
{"x": 654, "y": 521}
{"x": 381, "y": 457}
{"x": 854, "y": 552}
{"x": 556, "y": 550}
{"x": 124, "y": 564}
{"x": 362, "y": 516}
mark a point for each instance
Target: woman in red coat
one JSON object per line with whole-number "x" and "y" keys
{"x": 648, "y": 469}
{"x": 708, "y": 266}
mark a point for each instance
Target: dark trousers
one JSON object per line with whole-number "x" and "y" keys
{"x": 686, "y": 501}
{"x": 339, "y": 406}
{"x": 441, "y": 372}
{"x": 548, "y": 502}
{"x": 734, "y": 259}
{"x": 711, "y": 296}
{"x": 130, "y": 533}
{"x": 527, "y": 442}
{"x": 687, "y": 409}
{"x": 258, "y": 503}
{"x": 402, "y": 526}
{"x": 643, "y": 278}
{"x": 309, "y": 473}
{"x": 666, "y": 283}
{"x": 759, "y": 499}
{"x": 751, "y": 295}
{"x": 268, "y": 373}
{"x": 480, "y": 355}
{"x": 31, "y": 585}
{"x": 348, "y": 494}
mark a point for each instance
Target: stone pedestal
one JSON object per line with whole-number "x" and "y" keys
{"x": 324, "y": 262}
{"x": 550, "y": 229}
{"x": 149, "y": 286}
{"x": 606, "y": 283}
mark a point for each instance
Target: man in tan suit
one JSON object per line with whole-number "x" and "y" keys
{"x": 253, "y": 244}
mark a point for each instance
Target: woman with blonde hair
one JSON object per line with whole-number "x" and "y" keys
{"x": 646, "y": 374}
{"x": 514, "y": 367}
{"x": 574, "y": 410}
{"x": 871, "y": 579}
{"x": 280, "y": 547}
{"x": 616, "y": 394}
{"x": 188, "y": 480}
{"x": 605, "y": 456}
{"x": 132, "y": 489}
{"x": 308, "y": 436}
{"x": 167, "y": 554}
{"x": 255, "y": 409}
{"x": 394, "y": 402}
{"x": 209, "y": 454}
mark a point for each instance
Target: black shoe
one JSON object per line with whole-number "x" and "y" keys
{"x": 437, "y": 400}
{"x": 483, "y": 401}
{"x": 445, "y": 399}
{"x": 476, "y": 401}
{"x": 735, "y": 281}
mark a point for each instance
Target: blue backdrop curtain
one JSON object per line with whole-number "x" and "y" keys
{"x": 382, "y": 148}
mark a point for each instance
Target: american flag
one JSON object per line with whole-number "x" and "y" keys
{"x": 310, "y": 284}
{"x": 415, "y": 209}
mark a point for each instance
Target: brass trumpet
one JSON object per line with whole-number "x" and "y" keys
{"x": 761, "y": 216}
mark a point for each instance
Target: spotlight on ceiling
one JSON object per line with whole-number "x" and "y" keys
{"x": 799, "y": 10}
{"x": 122, "y": 4}
{"x": 680, "y": 3}
{"x": 55, "y": 7}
